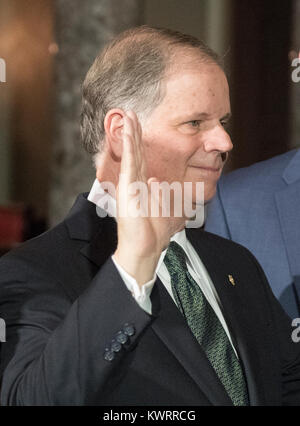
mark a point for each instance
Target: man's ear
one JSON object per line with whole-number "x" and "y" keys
{"x": 113, "y": 125}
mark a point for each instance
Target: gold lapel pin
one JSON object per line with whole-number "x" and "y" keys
{"x": 231, "y": 279}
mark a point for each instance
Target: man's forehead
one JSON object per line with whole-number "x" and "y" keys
{"x": 197, "y": 94}
{"x": 189, "y": 58}
{"x": 190, "y": 80}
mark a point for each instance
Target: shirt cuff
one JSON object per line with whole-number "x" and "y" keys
{"x": 140, "y": 294}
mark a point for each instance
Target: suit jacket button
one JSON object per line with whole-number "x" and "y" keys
{"x": 109, "y": 355}
{"x": 128, "y": 329}
{"x": 121, "y": 337}
{"x": 115, "y": 346}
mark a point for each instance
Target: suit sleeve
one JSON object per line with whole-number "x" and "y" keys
{"x": 58, "y": 352}
{"x": 216, "y": 221}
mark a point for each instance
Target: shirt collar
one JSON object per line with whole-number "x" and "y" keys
{"x": 179, "y": 238}
{"x": 102, "y": 199}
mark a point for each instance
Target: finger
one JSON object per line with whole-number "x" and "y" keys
{"x": 139, "y": 143}
{"x": 128, "y": 156}
{"x": 136, "y": 134}
{"x": 134, "y": 127}
{"x": 155, "y": 197}
{"x": 127, "y": 169}
{"x": 133, "y": 117}
{"x": 142, "y": 153}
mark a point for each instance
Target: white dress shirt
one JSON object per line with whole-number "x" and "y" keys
{"x": 195, "y": 266}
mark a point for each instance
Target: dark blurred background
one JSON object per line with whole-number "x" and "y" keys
{"x": 48, "y": 45}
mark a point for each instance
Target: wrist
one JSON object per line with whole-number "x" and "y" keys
{"x": 142, "y": 269}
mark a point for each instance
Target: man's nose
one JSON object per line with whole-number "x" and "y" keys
{"x": 218, "y": 140}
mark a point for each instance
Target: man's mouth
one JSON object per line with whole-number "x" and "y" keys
{"x": 213, "y": 169}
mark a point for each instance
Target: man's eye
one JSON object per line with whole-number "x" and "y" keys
{"x": 195, "y": 123}
{"x": 224, "y": 123}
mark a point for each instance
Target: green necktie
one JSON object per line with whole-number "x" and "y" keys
{"x": 205, "y": 325}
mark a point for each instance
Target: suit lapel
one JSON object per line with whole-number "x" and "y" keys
{"x": 99, "y": 233}
{"x": 104, "y": 242}
{"x": 174, "y": 332}
{"x": 234, "y": 311}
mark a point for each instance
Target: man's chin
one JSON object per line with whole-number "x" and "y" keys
{"x": 207, "y": 198}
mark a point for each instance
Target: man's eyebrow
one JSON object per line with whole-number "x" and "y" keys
{"x": 227, "y": 116}
{"x": 202, "y": 116}
{"x": 194, "y": 116}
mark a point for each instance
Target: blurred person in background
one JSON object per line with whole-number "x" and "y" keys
{"x": 259, "y": 207}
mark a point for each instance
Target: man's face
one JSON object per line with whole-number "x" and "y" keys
{"x": 184, "y": 137}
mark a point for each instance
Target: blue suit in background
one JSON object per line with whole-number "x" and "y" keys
{"x": 259, "y": 207}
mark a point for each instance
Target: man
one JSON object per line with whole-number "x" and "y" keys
{"x": 110, "y": 312}
{"x": 258, "y": 207}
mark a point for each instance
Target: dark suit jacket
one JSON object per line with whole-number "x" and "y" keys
{"x": 63, "y": 302}
{"x": 259, "y": 207}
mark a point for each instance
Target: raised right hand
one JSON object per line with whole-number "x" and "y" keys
{"x": 140, "y": 239}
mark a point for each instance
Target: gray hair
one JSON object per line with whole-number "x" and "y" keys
{"x": 128, "y": 74}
